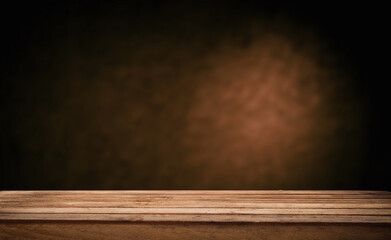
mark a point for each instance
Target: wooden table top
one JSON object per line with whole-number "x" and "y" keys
{"x": 198, "y": 206}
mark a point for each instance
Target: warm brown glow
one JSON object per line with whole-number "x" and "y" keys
{"x": 184, "y": 104}
{"x": 264, "y": 115}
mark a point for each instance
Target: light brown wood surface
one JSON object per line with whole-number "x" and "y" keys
{"x": 195, "y": 214}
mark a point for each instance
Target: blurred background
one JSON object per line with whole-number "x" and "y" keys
{"x": 194, "y": 95}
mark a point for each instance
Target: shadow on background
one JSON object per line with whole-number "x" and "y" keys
{"x": 193, "y": 95}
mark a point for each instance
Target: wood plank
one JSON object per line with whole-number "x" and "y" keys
{"x": 231, "y": 218}
{"x": 198, "y": 192}
{"x": 214, "y": 205}
{"x": 225, "y": 196}
{"x": 225, "y": 211}
{"x": 191, "y": 231}
{"x": 198, "y": 206}
{"x": 195, "y": 215}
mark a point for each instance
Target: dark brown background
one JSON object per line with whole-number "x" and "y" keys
{"x": 193, "y": 95}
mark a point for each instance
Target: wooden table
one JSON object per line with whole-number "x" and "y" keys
{"x": 195, "y": 215}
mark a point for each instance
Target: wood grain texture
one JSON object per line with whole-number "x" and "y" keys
{"x": 190, "y": 231}
{"x": 195, "y": 215}
{"x": 198, "y": 206}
